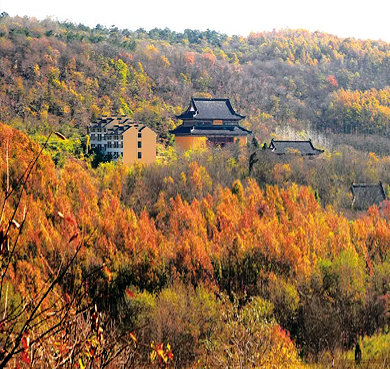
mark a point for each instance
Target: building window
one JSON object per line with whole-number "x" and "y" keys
{"x": 140, "y": 155}
{"x": 139, "y": 134}
{"x": 139, "y": 144}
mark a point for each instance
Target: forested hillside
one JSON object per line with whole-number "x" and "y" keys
{"x": 209, "y": 258}
{"x": 64, "y": 75}
{"x": 102, "y": 263}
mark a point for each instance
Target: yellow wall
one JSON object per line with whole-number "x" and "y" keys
{"x": 148, "y": 149}
{"x": 130, "y": 146}
{"x": 189, "y": 142}
{"x": 243, "y": 140}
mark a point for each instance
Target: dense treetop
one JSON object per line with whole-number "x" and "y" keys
{"x": 200, "y": 234}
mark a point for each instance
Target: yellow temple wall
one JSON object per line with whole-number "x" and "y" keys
{"x": 243, "y": 140}
{"x": 190, "y": 142}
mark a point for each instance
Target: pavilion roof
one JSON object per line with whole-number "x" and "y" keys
{"x": 367, "y": 194}
{"x": 282, "y": 147}
{"x": 210, "y": 109}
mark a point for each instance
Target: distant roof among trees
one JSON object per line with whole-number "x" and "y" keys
{"x": 289, "y": 147}
{"x": 367, "y": 194}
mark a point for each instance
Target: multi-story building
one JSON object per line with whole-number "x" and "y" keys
{"x": 119, "y": 136}
{"x": 209, "y": 122}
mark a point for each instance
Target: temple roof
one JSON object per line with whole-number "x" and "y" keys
{"x": 287, "y": 147}
{"x": 367, "y": 194}
{"x": 210, "y": 109}
{"x": 224, "y": 130}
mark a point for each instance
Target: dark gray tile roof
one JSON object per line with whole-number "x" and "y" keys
{"x": 225, "y": 130}
{"x": 103, "y": 121}
{"x": 367, "y": 194}
{"x": 122, "y": 124}
{"x": 118, "y": 130}
{"x": 286, "y": 147}
{"x": 182, "y": 130}
{"x": 210, "y": 109}
{"x": 100, "y": 123}
{"x": 235, "y": 130}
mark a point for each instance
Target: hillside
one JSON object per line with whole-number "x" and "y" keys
{"x": 191, "y": 253}
{"x": 210, "y": 258}
{"x": 63, "y": 75}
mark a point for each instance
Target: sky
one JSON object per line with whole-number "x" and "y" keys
{"x": 344, "y": 18}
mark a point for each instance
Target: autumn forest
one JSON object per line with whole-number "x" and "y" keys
{"x": 224, "y": 257}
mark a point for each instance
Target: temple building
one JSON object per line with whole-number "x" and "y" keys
{"x": 209, "y": 122}
{"x": 304, "y": 148}
{"x": 119, "y": 136}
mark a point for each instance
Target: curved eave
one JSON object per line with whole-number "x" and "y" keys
{"x": 234, "y": 131}
{"x": 241, "y": 116}
{"x": 184, "y": 116}
{"x": 219, "y": 134}
{"x": 318, "y": 152}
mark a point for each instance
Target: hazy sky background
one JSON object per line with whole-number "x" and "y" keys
{"x": 344, "y": 18}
